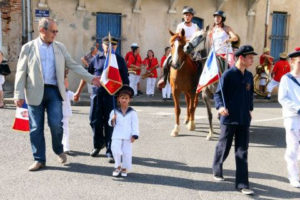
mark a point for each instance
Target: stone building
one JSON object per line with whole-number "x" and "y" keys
{"x": 146, "y": 22}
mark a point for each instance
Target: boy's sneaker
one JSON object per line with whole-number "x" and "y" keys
{"x": 295, "y": 183}
{"x": 116, "y": 172}
{"x": 123, "y": 173}
{"x": 246, "y": 191}
{"x": 219, "y": 178}
{"x": 268, "y": 98}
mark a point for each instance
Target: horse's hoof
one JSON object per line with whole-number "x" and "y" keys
{"x": 186, "y": 121}
{"x": 174, "y": 133}
{"x": 208, "y": 137}
{"x": 191, "y": 126}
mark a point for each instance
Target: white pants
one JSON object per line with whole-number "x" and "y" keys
{"x": 272, "y": 84}
{"x": 2, "y": 80}
{"x": 263, "y": 79}
{"x": 65, "y": 140}
{"x": 150, "y": 86}
{"x": 122, "y": 148}
{"x": 292, "y": 148}
{"x": 133, "y": 81}
{"x": 166, "y": 91}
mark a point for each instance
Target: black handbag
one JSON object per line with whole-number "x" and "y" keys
{"x": 4, "y": 68}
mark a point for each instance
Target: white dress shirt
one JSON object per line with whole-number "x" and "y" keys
{"x": 48, "y": 62}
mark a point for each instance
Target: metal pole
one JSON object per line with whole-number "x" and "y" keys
{"x": 267, "y": 22}
{"x": 29, "y": 31}
{"x": 1, "y": 32}
{"x": 24, "y": 36}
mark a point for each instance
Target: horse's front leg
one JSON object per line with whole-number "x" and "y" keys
{"x": 187, "y": 100}
{"x": 191, "y": 124}
{"x": 206, "y": 100}
{"x": 176, "y": 95}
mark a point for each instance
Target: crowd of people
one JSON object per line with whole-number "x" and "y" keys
{"x": 41, "y": 79}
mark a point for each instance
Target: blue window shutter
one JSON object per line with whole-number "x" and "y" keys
{"x": 108, "y": 22}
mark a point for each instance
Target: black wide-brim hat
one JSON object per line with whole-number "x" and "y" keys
{"x": 296, "y": 53}
{"x": 113, "y": 39}
{"x": 245, "y": 50}
{"x": 126, "y": 89}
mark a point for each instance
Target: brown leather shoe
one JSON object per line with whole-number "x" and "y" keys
{"x": 36, "y": 166}
{"x": 62, "y": 158}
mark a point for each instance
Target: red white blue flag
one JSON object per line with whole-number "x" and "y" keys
{"x": 210, "y": 73}
{"x": 111, "y": 78}
{"x": 22, "y": 120}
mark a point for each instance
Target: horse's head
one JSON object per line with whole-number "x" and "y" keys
{"x": 177, "y": 42}
{"x": 198, "y": 38}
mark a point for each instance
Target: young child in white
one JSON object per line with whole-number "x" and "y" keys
{"x": 67, "y": 113}
{"x": 124, "y": 119}
{"x": 289, "y": 98}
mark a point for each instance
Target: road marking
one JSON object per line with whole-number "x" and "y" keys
{"x": 268, "y": 120}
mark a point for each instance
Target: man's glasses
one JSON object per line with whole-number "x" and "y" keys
{"x": 54, "y": 31}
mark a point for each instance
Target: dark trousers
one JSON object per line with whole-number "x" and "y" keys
{"x": 101, "y": 106}
{"x": 241, "y": 134}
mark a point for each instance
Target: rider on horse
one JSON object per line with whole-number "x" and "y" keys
{"x": 221, "y": 36}
{"x": 190, "y": 28}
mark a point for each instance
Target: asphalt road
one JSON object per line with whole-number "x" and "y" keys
{"x": 163, "y": 167}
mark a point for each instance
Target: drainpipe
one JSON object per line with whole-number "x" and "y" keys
{"x": 29, "y": 31}
{"x": 24, "y": 36}
{"x": 267, "y": 22}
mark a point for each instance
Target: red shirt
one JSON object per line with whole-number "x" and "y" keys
{"x": 135, "y": 60}
{"x": 280, "y": 68}
{"x": 150, "y": 63}
{"x": 265, "y": 60}
{"x": 162, "y": 61}
{"x": 127, "y": 55}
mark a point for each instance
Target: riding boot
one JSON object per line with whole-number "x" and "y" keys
{"x": 166, "y": 71}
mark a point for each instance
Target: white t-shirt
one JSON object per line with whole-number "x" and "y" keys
{"x": 189, "y": 30}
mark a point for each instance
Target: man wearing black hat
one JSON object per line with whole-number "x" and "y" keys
{"x": 102, "y": 101}
{"x": 234, "y": 102}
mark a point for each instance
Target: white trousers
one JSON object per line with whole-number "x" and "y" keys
{"x": 65, "y": 140}
{"x": 2, "y": 80}
{"x": 133, "y": 81}
{"x": 150, "y": 86}
{"x": 292, "y": 150}
{"x": 166, "y": 91}
{"x": 272, "y": 84}
{"x": 122, "y": 150}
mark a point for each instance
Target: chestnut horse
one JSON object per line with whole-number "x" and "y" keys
{"x": 183, "y": 78}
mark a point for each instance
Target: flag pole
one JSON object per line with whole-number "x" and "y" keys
{"x": 110, "y": 49}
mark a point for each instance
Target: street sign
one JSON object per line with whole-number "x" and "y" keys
{"x": 41, "y": 13}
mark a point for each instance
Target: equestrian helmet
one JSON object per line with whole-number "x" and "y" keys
{"x": 221, "y": 14}
{"x": 188, "y": 10}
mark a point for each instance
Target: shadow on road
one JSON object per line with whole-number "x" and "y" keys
{"x": 186, "y": 183}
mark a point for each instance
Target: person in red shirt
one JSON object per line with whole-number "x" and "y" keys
{"x": 281, "y": 67}
{"x": 265, "y": 62}
{"x": 151, "y": 63}
{"x": 133, "y": 45}
{"x": 134, "y": 68}
{"x": 166, "y": 91}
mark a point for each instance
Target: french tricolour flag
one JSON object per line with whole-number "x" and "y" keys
{"x": 210, "y": 73}
{"x": 111, "y": 78}
{"x": 22, "y": 120}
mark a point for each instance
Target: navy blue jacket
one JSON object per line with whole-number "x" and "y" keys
{"x": 238, "y": 95}
{"x": 96, "y": 68}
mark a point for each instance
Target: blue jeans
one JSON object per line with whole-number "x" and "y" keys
{"x": 52, "y": 103}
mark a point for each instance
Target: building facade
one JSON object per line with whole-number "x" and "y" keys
{"x": 146, "y": 22}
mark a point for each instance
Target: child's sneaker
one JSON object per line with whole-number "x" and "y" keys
{"x": 116, "y": 172}
{"x": 295, "y": 183}
{"x": 124, "y": 173}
